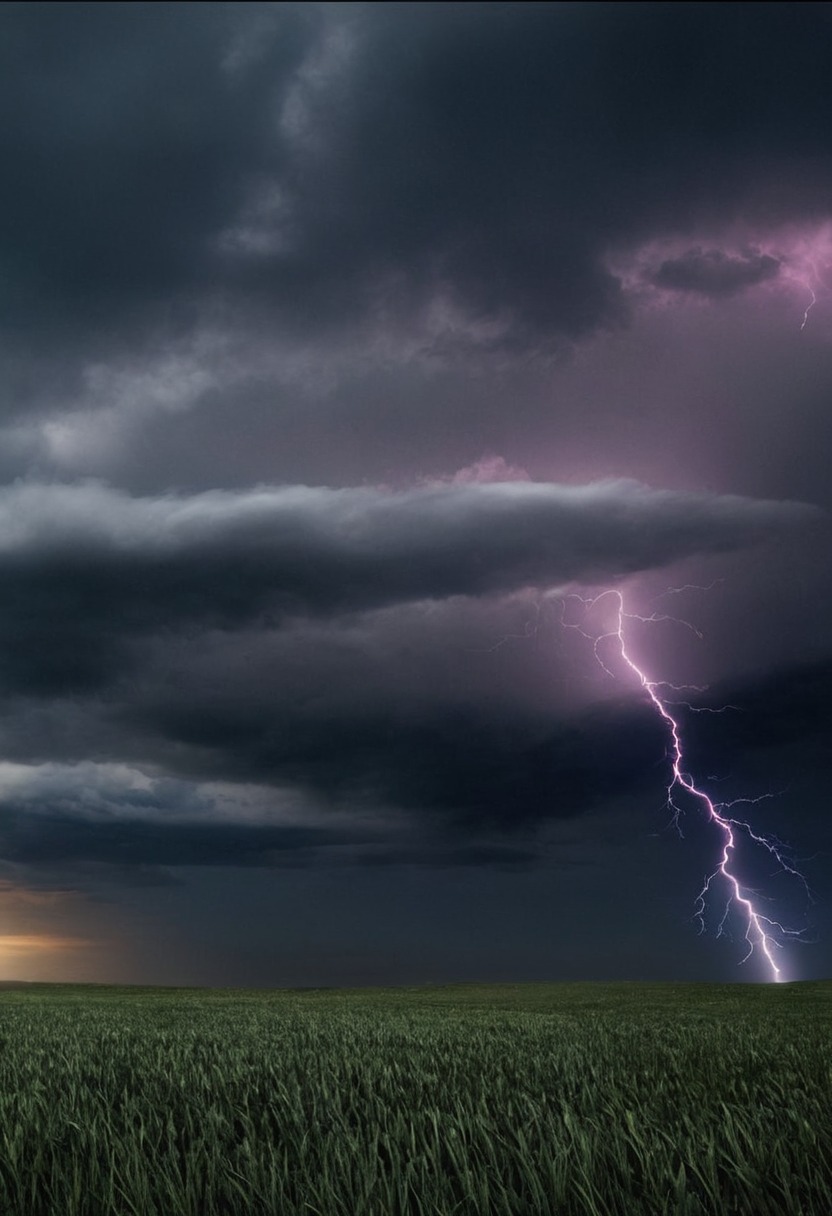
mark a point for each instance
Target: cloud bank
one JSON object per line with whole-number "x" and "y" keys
{"x": 85, "y": 567}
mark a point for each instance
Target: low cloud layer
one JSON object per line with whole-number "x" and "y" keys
{"x": 477, "y": 784}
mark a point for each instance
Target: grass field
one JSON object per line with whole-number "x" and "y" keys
{"x": 642, "y": 1099}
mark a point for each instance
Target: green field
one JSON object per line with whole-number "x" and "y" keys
{"x": 642, "y": 1099}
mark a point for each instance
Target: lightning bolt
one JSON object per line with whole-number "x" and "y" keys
{"x": 761, "y": 932}
{"x": 809, "y": 307}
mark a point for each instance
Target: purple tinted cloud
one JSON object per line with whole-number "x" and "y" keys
{"x": 712, "y": 272}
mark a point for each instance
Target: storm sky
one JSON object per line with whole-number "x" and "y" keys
{"x": 349, "y": 352}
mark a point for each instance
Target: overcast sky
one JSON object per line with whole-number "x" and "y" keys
{"x": 349, "y": 352}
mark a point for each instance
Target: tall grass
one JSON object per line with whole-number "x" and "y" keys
{"x": 539, "y": 1099}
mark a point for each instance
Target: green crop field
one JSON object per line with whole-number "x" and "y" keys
{"x": 643, "y": 1099}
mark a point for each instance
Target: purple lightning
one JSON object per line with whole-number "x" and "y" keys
{"x": 760, "y": 930}
{"x": 809, "y": 306}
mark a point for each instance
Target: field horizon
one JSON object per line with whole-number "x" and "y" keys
{"x": 451, "y": 985}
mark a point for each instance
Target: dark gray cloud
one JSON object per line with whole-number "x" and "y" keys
{"x": 481, "y": 765}
{"x": 712, "y": 272}
{"x": 497, "y": 152}
{"x": 476, "y": 856}
{"x": 495, "y": 767}
{"x": 36, "y": 839}
{"x": 783, "y": 707}
{"x": 128, "y": 141}
{"x": 478, "y": 784}
{"x": 321, "y": 164}
{"x": 271, "y": 781}
{"x": 85, "y": 568}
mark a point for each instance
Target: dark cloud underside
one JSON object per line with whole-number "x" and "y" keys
{"x": 477, "y": 784}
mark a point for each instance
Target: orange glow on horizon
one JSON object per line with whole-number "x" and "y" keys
{"x": 42, "y": 957}
{"x": 30, "y": 949}
{"x": 19, "y": 943}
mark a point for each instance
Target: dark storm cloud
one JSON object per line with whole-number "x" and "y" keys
{"x": 787, "y": 706}
{"x": 472, "y": 784}
{"x": 469, "y": 772}
{"x": 38, "y": 838}
{"x": 496, "y": 153}
{"x": 479, "y": 856}
{"x": 711, "y": 272}
{"x": 318, "y": 164}
{"x": 126, "y": 143}
{"x": 477, "y": 767}
{"x": 475, "y": 785}
{"x": 85, "y": 568}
